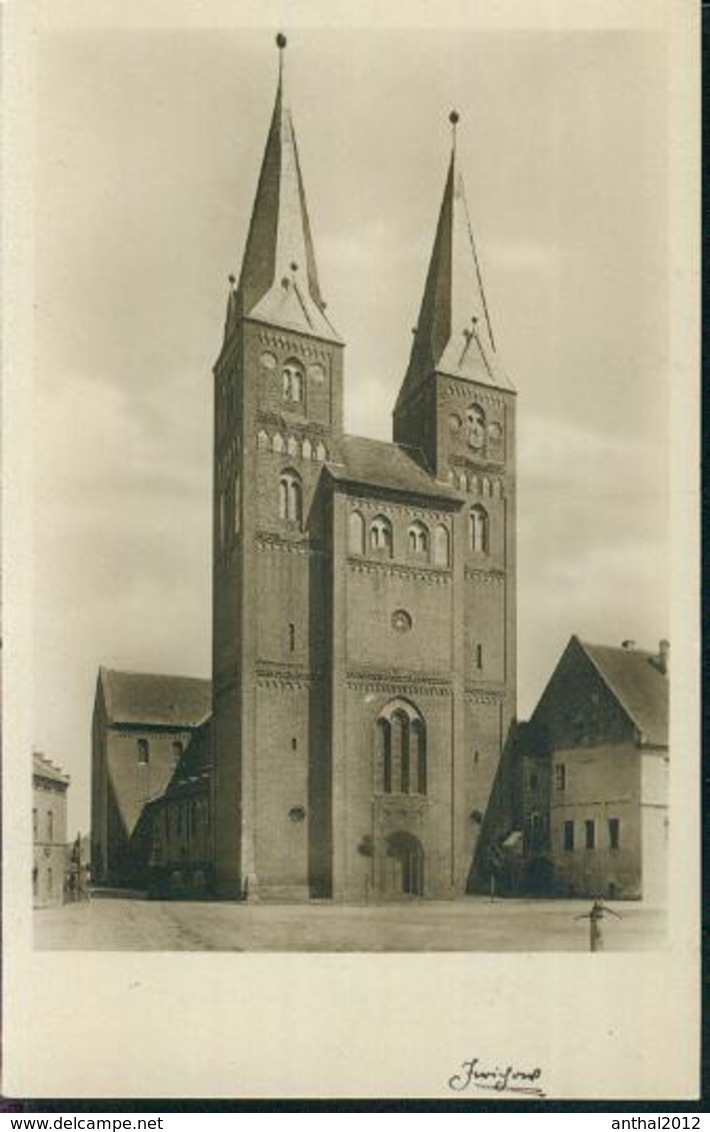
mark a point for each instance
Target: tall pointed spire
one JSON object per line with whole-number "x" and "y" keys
{"x": 278, "y": 283}
{"x": 454, "y": 334}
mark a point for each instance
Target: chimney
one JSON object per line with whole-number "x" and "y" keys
{"x": 664, "y": 648}
{"x": 628, "y": 644}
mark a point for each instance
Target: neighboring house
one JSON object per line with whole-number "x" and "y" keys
{"x": 364, "y": 592}
{"x": 172, "y": 846}
{"x": 593, "y": 775}
{"x": 49, "y": 831}
{"x": 142, "y": 724}
{"x": 78, "y": 866}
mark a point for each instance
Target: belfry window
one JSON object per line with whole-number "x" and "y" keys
{"x": 478, "y": 527}
{"x": 400, "y": 750}
{"x": 292, "y": 382}
{"x": 290, "y": 497}
{"x": 381, "y": 535}
{"x": 418, "y": 537}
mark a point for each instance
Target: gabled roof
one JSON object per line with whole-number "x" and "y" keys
{"x": 636, "y": 680}
{"x": 194, "y": 770}
{"x": 453, "y": 334}
{"x": 147, "y": 699}
{"x": 391, "y": 467}
{"x": 42, "y": 767}
{"x": 278, "y": 283}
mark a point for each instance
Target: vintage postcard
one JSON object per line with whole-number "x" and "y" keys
{"x": 350, "y": 467}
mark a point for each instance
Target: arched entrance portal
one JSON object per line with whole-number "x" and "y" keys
{"x": 404, "y": 865}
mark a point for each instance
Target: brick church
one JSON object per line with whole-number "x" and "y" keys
{"x": 363, "y": 592}
{"x": 363, "y": 683}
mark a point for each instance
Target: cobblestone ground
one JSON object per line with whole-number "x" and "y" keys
{"x": 473, "y": 924}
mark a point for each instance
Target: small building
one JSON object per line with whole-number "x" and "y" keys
{"x": 49, "y": 831}
{"x": 172, "y": 845}
{"x": 593, "y": 775}
{"x": 142, "y": 725}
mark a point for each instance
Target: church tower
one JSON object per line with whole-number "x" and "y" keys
{"x": 456, "y": 413}
{"x": 277, "y": 420}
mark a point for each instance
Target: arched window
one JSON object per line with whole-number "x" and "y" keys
{"x": 401, "y": 750}
{"x": 400, "y": 744}
{"x": 222, "y": 519}
{"x": 418, "y": 536}
{"x": 356, "y": 533}
{"x": 292, "y": 381}
{"x": 476, "y": 427}
{"x": 384, "y": 756}
{"x": 419, "y": 756}
{"x": 478, "y": 520}
{"x": 290, "y": 497}
{"x": 441, "y": 546}
{"x": 381, "y": 534}
{"x": 237, "y": 503}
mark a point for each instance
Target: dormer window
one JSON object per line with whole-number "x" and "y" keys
{"x": 292, "y": 382}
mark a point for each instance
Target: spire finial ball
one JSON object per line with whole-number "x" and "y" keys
{"x": 454, "y": 117}
{"x": 281, "y": 41}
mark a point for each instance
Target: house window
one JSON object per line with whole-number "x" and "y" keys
{"x": 533, "y": 781}
{"x": 568, "y": 836}
{"x": 381, "y": 534}
{"x": 478, "y": 656}
{"x": 50, "y": 826}
{"x": 143, "y": 751}
{"x": 292, "y": 382}
{"x": 478, "y": 529}
{"x": 290, "y": 497}
{"x": 401, "y": 750}
{"x": 35, "y": 886}
{"x": 356, "y": 533}
{"x": 614, "y": 832}
{"x": 35, "y": 824}
{"x": 589, "y": 833}
{"x": 222, "y": 520}
{"x": 294, "y": 743}
{"x": 291, "y": 637}
{"x": 418, "y": 537}
{"x": 560, "y": 776}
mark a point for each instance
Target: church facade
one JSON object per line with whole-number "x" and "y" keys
{"x": 364, "y": 592}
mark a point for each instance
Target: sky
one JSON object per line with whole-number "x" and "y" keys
{"x": 147, "y": 147}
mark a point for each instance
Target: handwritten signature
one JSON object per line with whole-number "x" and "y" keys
{"x": 500, "y": 1079}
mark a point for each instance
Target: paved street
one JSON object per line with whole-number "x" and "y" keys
{"x": 474, "y": 924}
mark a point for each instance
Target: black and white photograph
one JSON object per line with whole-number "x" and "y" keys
{"x": 350, "y": 474}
